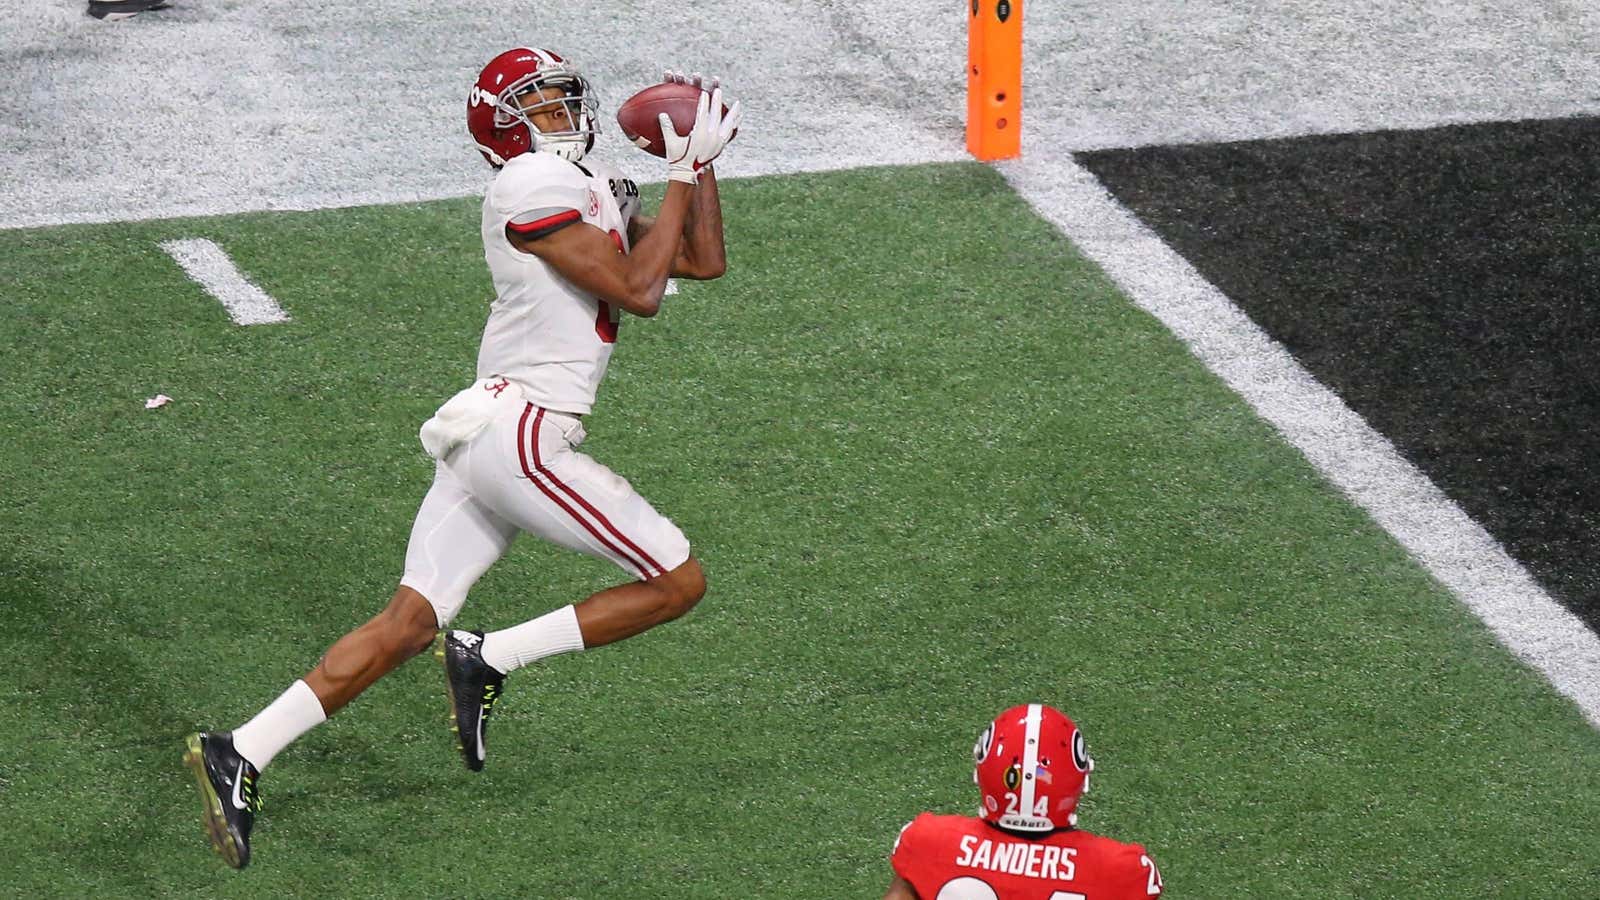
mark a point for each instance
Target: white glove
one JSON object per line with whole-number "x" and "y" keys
{"x": 688, "y": 154}
{"x": 730, "y": 122}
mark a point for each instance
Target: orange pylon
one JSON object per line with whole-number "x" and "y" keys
{"x": 994, "y": 78}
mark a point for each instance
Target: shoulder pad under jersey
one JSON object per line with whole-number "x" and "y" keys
{"x": 538, "y": 181}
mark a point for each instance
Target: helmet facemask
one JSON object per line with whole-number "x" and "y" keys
{"x": 525, "y": 97}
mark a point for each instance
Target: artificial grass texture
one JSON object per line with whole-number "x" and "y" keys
{"x": 933, "y": 463}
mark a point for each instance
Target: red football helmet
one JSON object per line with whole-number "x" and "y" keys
{"x": 1031, "y": 766}
{"x": 510, "y": 87}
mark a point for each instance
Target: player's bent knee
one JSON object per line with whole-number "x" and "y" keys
{"x": 684, "y": 587}
{"x": 409, "y": 623}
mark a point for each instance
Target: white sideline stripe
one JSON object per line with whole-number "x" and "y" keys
{"x": 1357, "y": 459}
{"x": 211, "y": 268}
{"x": 672, "y": 286}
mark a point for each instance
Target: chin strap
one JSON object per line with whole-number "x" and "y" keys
{"x": 571, "y": 149}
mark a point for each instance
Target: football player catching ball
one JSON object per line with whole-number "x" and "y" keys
{"x": 1031, "y": 766}
{"x": 569, "y": 253}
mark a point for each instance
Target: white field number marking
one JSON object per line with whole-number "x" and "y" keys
{"x": 211, "y": 268}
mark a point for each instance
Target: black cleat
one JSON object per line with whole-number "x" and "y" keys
{"x": 227, "y": 783}
{"x": 114, "y": 10}
{"x": 473, "y": 686}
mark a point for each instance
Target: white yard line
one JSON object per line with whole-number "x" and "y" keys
{"x": 211, "y": 268}
{"x": 1349, "y": 453}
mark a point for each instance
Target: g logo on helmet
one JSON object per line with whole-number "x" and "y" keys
{"x": 1080, "y": 753}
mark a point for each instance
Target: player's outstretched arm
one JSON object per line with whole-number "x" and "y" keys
{"x": 592, "y": 260}
{"x": 702, "y": 256}
{"x": 635, "y": 281}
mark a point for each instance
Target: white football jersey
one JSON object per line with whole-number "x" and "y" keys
{"x": 545, "y": 334}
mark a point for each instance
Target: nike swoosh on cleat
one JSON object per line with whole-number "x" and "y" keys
{"x": 480, "y": 735}
{"x": 238, "y": 781}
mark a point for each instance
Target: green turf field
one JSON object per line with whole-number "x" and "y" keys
{"x": 934, "y": 465}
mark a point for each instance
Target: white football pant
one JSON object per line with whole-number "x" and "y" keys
{"x": 523, "y": 472}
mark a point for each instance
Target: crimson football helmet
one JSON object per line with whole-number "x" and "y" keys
{"x": 513, "y": 85}
{"x": 1031, "y": 766}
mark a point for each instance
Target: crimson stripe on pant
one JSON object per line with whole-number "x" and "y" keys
{"x": 646, "y": 571}
{"x": 615, "y": 531}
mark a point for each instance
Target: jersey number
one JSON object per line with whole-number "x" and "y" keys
{"x": 607, "y": 319}
{"x": 1041, "y": 805}
{"x": 1153, "y": 885}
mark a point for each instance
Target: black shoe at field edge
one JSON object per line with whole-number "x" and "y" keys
{"x": 227, "y": 784}
{"x": 114, "y": 10}
{"x": 473, "y": 686}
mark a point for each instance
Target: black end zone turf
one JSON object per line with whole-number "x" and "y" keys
{"x": 1444, "y": 282}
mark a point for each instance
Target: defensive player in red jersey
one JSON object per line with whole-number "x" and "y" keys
{"x": 569, "y": 252}
{"x": 1031, "y": 767}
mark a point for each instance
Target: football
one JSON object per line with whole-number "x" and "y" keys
{"x": 637, "y": 114}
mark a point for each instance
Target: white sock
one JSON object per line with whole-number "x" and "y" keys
{"x": 295, "y": 712}
{"x": 552, "y": 633}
